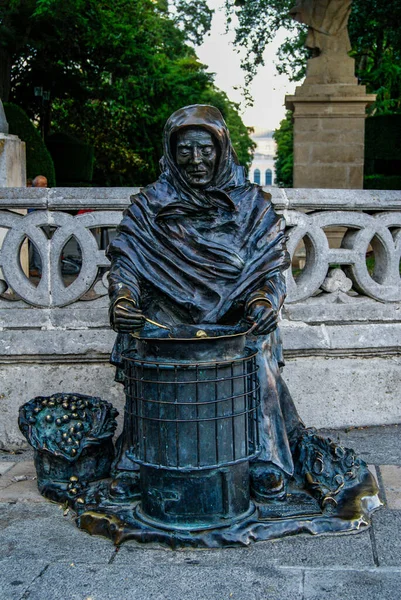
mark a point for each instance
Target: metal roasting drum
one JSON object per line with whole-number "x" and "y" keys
{"x": 192, "y": 405}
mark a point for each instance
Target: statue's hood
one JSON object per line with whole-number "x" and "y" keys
{"x": 229, "y": 174}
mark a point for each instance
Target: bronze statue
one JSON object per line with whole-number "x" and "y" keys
{"x": 211, "y": 440}
{"x": 204, "y": 245}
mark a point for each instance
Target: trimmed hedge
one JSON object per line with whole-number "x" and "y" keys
{"x": 73, "y": 160}
{"x": 382, "y": 182}
{"x": 383, "y": 152}
{"x": 38, "y": 159}
{"x": 383, "y": 138}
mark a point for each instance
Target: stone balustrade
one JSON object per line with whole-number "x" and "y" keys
{"x": 341, "y": 322}
{"x": 372, "y": 220}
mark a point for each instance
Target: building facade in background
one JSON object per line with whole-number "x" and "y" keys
{"x": 262, "y": 168}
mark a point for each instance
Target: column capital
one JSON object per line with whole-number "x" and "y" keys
{"x": 316, "y": 97}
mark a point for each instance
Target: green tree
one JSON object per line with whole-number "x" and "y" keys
{"x": 113, "y": 73}
{"x": 376, "y": 46}
{"x": 68, "y": 37}
{"x": 375, "y": 38}
{"x": 256, "y": 26}
{"x": 284, "y": 159}
{"x": 374, "y": 33}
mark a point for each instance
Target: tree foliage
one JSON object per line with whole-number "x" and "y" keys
{"x": 256, "y": 26}
{"x": 284, "y": 159}
{"x": 376, "y": 45}
{"x": 375, "y": 37}
{"x": 114, "y": 72}
{"x": 374, "y": 32}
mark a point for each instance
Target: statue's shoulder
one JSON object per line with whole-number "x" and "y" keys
{"x": 266, "y": 197}
{"x": 155, "y": 195}
{"x": 251, "y": 195}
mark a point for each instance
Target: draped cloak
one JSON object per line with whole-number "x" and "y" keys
{"x": 199, "y": 255}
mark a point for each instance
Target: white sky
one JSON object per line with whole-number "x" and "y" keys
{"x": 268, "y": 88}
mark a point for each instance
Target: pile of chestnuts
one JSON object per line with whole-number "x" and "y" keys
{"x": 64, "y": 421}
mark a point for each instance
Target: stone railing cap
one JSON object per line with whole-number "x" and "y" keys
{"x": 282, "y": 198}
{"x": 335, "y": 199}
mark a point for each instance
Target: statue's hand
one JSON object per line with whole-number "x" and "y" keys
{"x": 265, "y": 317}
{"x": 125, "y": 317}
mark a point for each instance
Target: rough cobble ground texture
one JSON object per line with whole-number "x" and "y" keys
{"x": 43, "y": 556}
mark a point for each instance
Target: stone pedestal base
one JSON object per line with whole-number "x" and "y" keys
{"x": 12, "y": 161}
{"x": 13, "y": 174}
{"x": 329, "y": 130}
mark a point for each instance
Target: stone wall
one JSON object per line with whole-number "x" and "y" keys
{"x": 341, "y": 326}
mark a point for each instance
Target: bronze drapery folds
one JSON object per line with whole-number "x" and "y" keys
{"x": 213, "y": 452}
{"x": 203, "y": 255}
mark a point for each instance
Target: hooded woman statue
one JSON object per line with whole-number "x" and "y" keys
{"x": 204, "y": 245}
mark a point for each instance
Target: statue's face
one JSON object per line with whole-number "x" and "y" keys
{"x": 196, "y": 156}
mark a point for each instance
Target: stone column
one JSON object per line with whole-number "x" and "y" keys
{"x": 329, "y": 107}
{"x": 12, "y": 156}
{"x": 329, "y": 134}
{"x": 12, "y": 172}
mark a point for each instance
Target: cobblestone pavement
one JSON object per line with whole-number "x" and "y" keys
{"x": 43, "y": 556}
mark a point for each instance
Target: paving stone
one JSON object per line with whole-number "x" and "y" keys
{"x": 5, "y": 466}
{"x": 379, "y": 445}
{"x": 372, "y": 584}
{"x": 391, "y": 477}
{"x": 17, "y": 456}
{"x": 19, "y": 484}
{"x": 387, "y": 536}
{"x": 32, "y": 531}
{"x": 295, "y": 551}
{"x": 16, "y": 576}
{"x": 166, "y": 582}
{"x": 303, "y": 550}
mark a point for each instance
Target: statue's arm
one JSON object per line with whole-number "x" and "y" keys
{"x": 125, "y": 293}
{"x": 263, "y": 305}
{"x": 272, "y": 292}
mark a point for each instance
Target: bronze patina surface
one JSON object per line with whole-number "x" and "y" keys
{"x": 72, "y": 439}
{"x": 213, "y": 452}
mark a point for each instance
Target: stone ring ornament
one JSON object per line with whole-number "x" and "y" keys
{"x": 381, "y": 232}
{"x": 51, "y": 290}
